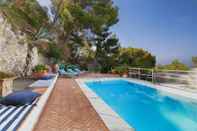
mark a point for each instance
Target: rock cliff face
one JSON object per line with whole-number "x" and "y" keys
{"x": 16, "y": 56}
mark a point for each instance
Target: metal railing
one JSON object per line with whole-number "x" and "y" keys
{"x": 171, "y": 78}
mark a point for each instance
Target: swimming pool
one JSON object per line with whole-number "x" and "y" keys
{"x": 145, "y": 108}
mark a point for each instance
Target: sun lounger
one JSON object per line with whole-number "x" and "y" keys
{"x": 79, "y": 71}
{"x": 42, "y": 83}
{"x": 11, "y": 117}
{"x": 24, "y": 118}
{"x": 73, "y": 72}
{"x": 75, "y": 69}
{"x": 34, "y": 115}
{"x": 64, "y": 73}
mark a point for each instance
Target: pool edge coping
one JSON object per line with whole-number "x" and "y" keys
{"x": 174, "y": 92}
{"x": 33, "y": 117}
{"x": 111, "y": 119}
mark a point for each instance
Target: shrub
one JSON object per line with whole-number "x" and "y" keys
{"x": 175, "y": 65}
{"x": 120, "y": 69}
{"x": 194, "y": 61}
{"x": 136, "y": 57}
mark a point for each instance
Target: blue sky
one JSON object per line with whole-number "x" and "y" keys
{"x": 47, "y": 4}
{"x": 167, "y": 28}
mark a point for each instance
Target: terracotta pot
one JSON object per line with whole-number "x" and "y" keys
{"x": 49, "y": 69}
{"x": 38, "y": 75}
{"x": 55, "y": 68}
{"x": 124, "y": 75}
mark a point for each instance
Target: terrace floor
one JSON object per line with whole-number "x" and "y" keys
{"x": 68, "y": 109}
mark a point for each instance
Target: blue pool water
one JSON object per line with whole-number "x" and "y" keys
{"x": 145, "y": 108}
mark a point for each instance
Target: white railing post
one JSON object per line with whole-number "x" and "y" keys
{"x": 139, "y": 73}
{"x": 152, "y": 75}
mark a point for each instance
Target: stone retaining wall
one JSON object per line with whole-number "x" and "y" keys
{"x": 15, "y": 54}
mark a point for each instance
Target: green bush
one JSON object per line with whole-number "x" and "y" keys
{"x": 194, "y": 61}
{"x": 94, "y": 69}
{"x": 135, "y": 57}
{"x": 120, "y": 69}
{"x": 175, "y": 65}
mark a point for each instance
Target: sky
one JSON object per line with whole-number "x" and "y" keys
{"x": 166, "y": 28}
{"x": 48, "y": 5}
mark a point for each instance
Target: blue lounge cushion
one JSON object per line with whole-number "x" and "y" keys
{"x": 73, "y": 72}
{"x": 19, "y": 98}
{"x": 61, "y": 71}
{"x": 48, "y": 77}
{"x": 62, "y": 66}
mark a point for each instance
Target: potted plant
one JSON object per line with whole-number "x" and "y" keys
{"x": 125, "y": 74}
{"x": 55, "y": 55}
{"x": 55, "y": 66}
{"x": 40, "y": 71}
{"x": 6, "y": 83}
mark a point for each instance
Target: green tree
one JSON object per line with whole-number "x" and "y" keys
{"x": 75, "y": 23}
{"x": 54, "y": 52}
{"x": 25, "y": 15}
{"x": 78, "y": 26}
{"x": 86, "y": 56}
{"x": 88, "y": 22}
{"x": 175, "y": 65}
{"x": 135, "y": 57}
{"x": 107, "y": 48}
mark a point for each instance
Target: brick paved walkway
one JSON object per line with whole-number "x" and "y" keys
{"x": 69, "y": 110}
